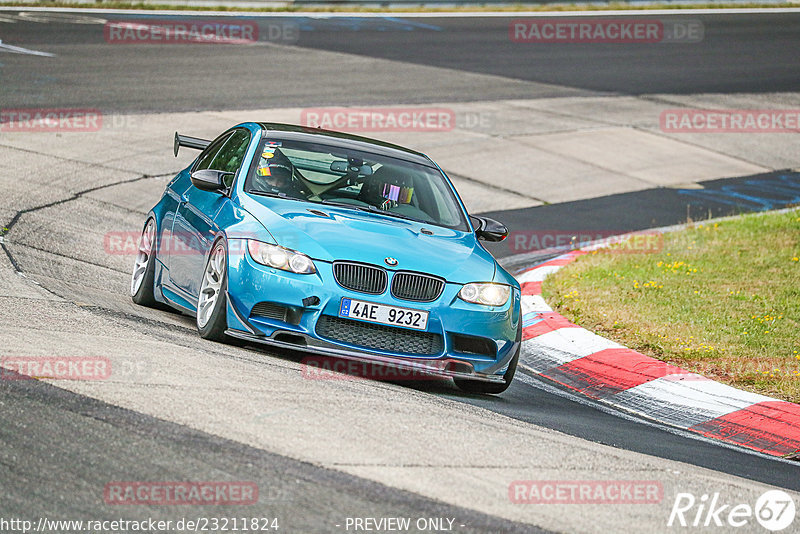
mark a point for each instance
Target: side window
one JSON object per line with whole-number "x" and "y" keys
{"x": 230, "y": 156}
{"x": 207, "y": 156}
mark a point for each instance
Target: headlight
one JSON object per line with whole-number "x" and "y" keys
{"x": 280, "y": 258}
{"x": 485, "y": 293}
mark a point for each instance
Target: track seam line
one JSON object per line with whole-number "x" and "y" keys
{"x": 74, "y": 196}
{"x": 496, "y": 188}
{"x": 644, "y": 98}
{"x": 62, "y": 158}
{"x": 650, "y": 185}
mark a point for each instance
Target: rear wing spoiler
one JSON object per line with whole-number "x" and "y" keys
{"x": 189, "y": 142}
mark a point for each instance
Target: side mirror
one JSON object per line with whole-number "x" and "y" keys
{"x": 490, "y": 230}
{"x": 210, "y": 180}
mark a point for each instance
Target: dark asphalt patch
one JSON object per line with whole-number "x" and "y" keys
{"x": 640, "y": 210}
{"x": 722, "y": 62}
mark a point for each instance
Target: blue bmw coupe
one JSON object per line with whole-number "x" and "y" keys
{"x": 334, "y": 244}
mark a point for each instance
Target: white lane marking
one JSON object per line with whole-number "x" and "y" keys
{"x": 534, "y": 304}
{"x": 20, "y": 50}
{"x": 685, "y": 403}
{"x": 539, "y": 274}
{"x": 66, "y": 18}
{"x": 432, "y": 15}
{"x": 563, "y": 346}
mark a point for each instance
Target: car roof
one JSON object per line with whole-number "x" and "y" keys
{"x": 344, "y": 140}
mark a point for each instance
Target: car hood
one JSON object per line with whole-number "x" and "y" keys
{"x": 330, "y": 233}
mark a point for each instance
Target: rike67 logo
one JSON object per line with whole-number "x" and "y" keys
{"x": 774, "y": 510}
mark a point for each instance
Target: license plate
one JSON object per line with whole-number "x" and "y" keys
{"x": 380, "y": 313}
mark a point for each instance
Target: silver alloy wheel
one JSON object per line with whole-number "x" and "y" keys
{"x": 212, "y": 285}
{"x": 143, "y": 256}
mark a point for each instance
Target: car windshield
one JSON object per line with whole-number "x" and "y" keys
{"x": 356, "y": 180}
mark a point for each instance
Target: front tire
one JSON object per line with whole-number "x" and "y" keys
{"x": 212, "y": 303}
{"x": 492, "y": 388}
{"x": 143, "y": 276}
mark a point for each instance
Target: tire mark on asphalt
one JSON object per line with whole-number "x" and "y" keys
{"x": 74, "y": 196}
{"x": 66, "y": 256}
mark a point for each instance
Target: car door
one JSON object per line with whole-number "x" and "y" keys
{"x": 194, "y": 227}
{"x": 175, "y": 239}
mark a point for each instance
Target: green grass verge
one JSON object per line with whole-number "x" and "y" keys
{"x": 115, "y": 4}
{"x": 721, "y": 299}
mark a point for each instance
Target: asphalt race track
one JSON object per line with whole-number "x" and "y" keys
{"x": 323, "y": 452}
{"x": 751, "y": 54}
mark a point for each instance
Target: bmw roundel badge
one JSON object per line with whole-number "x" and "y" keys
{"x": 391, "y": 262}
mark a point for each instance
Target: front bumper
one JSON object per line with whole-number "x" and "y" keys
{"x": 309, "y": 298}
{"x": 443, "y": 368}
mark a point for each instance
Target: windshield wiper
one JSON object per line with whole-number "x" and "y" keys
{"x": 343, "y": 205}
{"x": 273, "y": 195}
{"x": 371, "y": 209}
